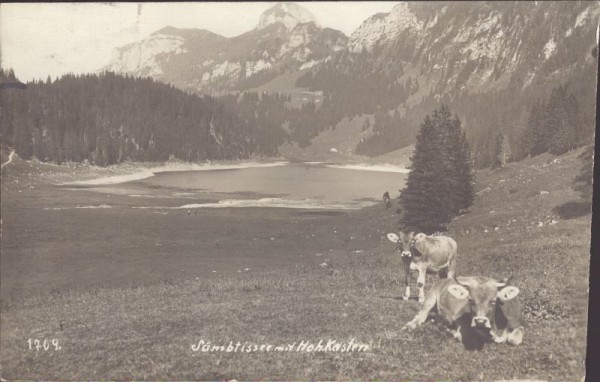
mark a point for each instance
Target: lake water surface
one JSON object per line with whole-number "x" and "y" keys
{"x": 290, "y": 185}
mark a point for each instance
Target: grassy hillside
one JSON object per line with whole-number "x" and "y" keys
{"x": 286, "y": 84}
{"x": 344, "y": 138}
{"x": 346, "y": 287}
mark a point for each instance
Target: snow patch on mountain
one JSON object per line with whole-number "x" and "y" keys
{"x": 256, "y": 66}
{"x": 227, "y": 68}
{"x": 478, "y": 29}
{"x": 302, "y": 55}
{"x": 549, "y": 48}
{"x": 309, "y": 64}
{"x": 515, "y": 56}
{"x": 568, "y": 32}
{"x": 582, "y": 17}
{"x": 289, "y": 14}
{"x": 485, "y": 46}
{"x": 528, "y": 79}
{"x": 488, "y": 23}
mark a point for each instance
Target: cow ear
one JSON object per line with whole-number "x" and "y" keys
{"x": 393, "y": 237}
{"x": 507, "y": 293}
{"x": 458, "y": 291}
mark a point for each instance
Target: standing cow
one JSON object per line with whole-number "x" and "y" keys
{"x": 479, "y": 307}
{"x": 387, "y": 200}
{"x": 422, "y": 253}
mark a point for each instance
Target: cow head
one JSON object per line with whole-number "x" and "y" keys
{"x": 404, "y": 243}
{"x": 483, "y": 294}
{"x": 419, "y": 237}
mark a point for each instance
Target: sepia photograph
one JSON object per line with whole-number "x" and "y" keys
{"x": 347, "y": 190}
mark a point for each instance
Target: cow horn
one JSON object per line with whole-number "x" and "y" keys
{"x": 458, "y": 282}
{"x": 504, "y": 282}
{"x": 466, "y": 284}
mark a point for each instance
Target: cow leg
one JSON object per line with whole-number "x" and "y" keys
{"x": 451, "y": 266}
{"x": 499, "y": 339}
{"x": 456, "y": 333}
{"x": 421, "y": 283}
{"x": 406, "y": 281}
{"x": 516, "y": 336}
{"x": 421, "y": 316}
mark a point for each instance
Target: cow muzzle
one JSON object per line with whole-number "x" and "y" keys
{"x": 406, "y": 254}
{"x": 481, "y": 322}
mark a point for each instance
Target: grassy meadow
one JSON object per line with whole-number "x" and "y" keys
{"x": 124, "y": 307}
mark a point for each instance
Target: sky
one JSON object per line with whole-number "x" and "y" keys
{"x": 42, "y": 39}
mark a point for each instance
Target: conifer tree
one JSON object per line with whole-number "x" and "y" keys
{"x": 439, "y": 184}
{"x": 503, "y": 152}
{"x": 466, "y": 182}
{"x": 108, "y": 118}
{"x": 563, "y": 121}
{"x": 536, "y": 134}
{"x": 554, "y": 126}
{"x": 420, "y": 198}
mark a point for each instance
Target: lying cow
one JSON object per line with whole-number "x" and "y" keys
{"x": 422, "y": 253}
{"x": 475, "y": 305}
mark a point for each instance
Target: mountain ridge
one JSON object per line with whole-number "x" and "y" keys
{"x": 405, "y": 61}
{"x": 287, "y": 38}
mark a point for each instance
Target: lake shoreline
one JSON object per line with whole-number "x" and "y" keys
{"x": 77, "y": 173}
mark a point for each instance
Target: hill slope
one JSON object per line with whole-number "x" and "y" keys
{"x": 356, "y": 294}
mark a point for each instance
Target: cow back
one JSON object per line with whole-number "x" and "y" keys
{"x": 436, "y": 250}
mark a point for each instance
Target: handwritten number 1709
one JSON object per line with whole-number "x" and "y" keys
{"x": 37, "y": 345}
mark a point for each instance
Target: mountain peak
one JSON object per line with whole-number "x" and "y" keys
{"x": 289, "y": 14}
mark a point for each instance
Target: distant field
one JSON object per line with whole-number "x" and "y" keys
{"x": 145, "y": 330}
{"x": 344, "y": 138}
{"x": 286, "y": 84}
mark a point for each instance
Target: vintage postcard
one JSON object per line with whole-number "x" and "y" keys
{"x": 296, "y": 191}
